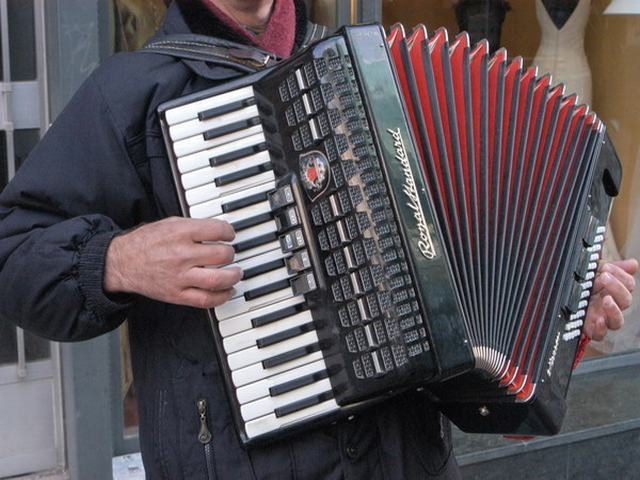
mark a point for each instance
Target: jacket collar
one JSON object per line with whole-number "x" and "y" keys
{"x": 191, "y": 16}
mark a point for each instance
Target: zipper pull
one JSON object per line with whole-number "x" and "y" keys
{"x": 204, "y": 436}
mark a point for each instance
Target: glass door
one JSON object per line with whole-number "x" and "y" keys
{"x": 31, "y": 437}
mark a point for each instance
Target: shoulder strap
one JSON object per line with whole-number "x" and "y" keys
{"x": 314, "y": 33}
{"x": 212, "y": 50}
{"x": 243, "y": 58}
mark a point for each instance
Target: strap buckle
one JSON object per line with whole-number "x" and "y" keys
{"x": 250, "y": 55}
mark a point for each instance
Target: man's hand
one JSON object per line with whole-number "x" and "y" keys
{"x": 166, "y": 261}
{"x": 612, "y": 290}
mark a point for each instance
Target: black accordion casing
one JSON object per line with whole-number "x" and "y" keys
{"x": 396, "y": 295}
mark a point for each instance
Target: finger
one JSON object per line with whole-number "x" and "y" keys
{"x": 629, "y": 265}
{"x": 599, "y": 329}
{"x": 621, "y": 274}
{"x": 211, "y": 230}
{"x": 213, "y": 278}
{"x": 617, "y": 290}
{"x": 614, "y": 317}
{"x": 212, "y": 254}
{"x": 196, "y": 297}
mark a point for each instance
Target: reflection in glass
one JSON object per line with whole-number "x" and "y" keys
{"x": 23, "y": 142}
{"x": 22, "y": 41}
{"x": 36, "y": 348}
{"x": 8, "y": 344}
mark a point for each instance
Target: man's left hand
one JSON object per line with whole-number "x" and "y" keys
{"x": 614, "y": 284}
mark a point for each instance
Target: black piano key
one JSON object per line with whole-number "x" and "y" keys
{"x": 230, "y": 128}
{"x": 237, "y": 154}
{"x": 251, "y": 221}
{"x": 222, "y": 109}
{"x": 298, "y": 382}
{"x": 265, "y": 267}
{"x": 242, "y": 174}
{"x": 304, "y": 403}
{"x": 255, "y": 242}
{"x": 266, "y": 289}
{"x": 277, "y": 315}
{"x": 244, "y": 202}
{"x": 290, "y": 355}
{"x": 284, "y": 335}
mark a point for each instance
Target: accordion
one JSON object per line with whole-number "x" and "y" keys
{"x": 410, "y": 213}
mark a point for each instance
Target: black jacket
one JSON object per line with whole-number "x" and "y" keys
{"x": 102, "y": 168}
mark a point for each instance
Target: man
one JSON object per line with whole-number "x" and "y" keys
{"x": 82, "y": 247}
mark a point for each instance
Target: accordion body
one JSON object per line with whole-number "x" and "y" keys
{"x": 410, "y": 214}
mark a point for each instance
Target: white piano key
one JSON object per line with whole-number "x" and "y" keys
{"x": 208, "y": 174}
{"x": 191, "y": 110}
{"x": 260, "y": 259}
{"x": 208, "y": 192}
{"x": 238, "y": 306}
{"x": 201, "y": 159}
{"x": 249, "y": 338}
{"x": 270, "y": 423}
{"x": 197, "y": 143}
{"x": 267, "y": 405}
{"x": 256, "y": 372}
{"x": 213, "y": 208}
{"x": 241, "y": 214}
{"x": 601, "y": 229}
{"x": 255, "y": 231}
{"x": 252, "y": 355}
{"x": 242, "y": 322}
{"x": 261, "y": 280}
{"x": 259, "y": 250}
{"x": 260, "y": 389}
{"x": 196, "y": 126}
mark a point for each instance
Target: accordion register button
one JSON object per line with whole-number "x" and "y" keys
{"x": 298, "y": 261}
{"x": 292, "y": 240}
{"x": 303, "y": 284}
{"x": 282, "y": 197}
{"x": 601, "y": 229}
{"x": 287, "y": 219}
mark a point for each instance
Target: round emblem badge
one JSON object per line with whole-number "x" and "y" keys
{"x": 314, "y": 172}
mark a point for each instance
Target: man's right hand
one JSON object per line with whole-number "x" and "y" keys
{"x": 168, "y": 261}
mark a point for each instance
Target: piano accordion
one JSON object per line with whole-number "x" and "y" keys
{"x": 411, "y": 213}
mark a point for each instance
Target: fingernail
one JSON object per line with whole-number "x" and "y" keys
{"x": 606, "y": 278}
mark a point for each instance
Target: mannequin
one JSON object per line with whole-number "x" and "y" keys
{"x": 561, "y": 51}
{"x": 482, "y": 19}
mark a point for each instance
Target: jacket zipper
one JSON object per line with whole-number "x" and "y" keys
{"x": 204, "y": 437}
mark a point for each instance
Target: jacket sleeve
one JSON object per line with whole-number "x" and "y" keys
{"x": 77, "y": 189}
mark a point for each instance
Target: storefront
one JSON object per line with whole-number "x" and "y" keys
{"x": 69, "y": 409}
